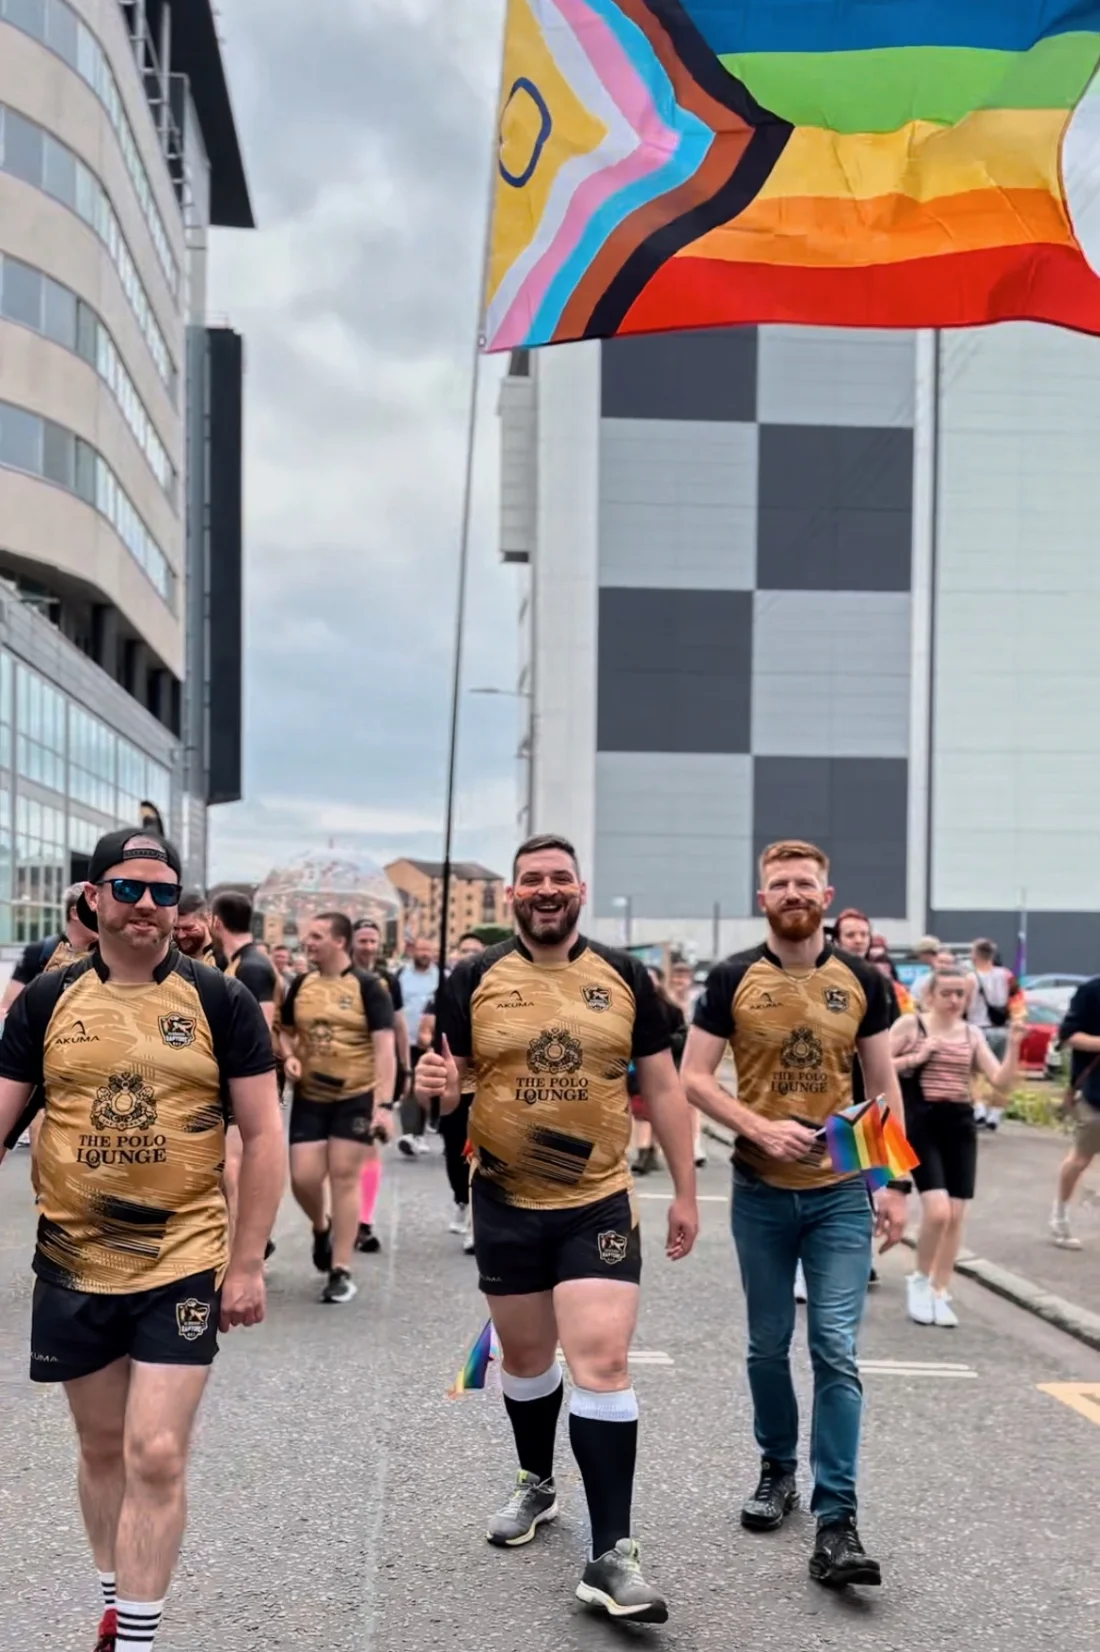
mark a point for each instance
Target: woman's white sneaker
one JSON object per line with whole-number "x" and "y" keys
{"x": 920, "y": 1300}
{"x": 943, "y": 1313}
{"x": 800, "y": 1283}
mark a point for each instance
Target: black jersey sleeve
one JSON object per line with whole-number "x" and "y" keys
{"x": 714, "y": 1011}
{"x": 257, "y": 975}
{"x": 288, "y": 1002}
{"x": 23, "y": 1046}
{"x": 652, "y": 1032}
{"x": 33, "y": 961}
{"x": 377, "y": 1003}
{"x": 241, "y": 1036}
{"x": 879, "y": 993}
{"x": 397, "y": 997}
{"x": 453, "y": 1011}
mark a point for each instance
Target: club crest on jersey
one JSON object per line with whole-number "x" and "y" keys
{"x": 192, "y": 1318}
{"x": 124, "y": 1103}
{"x": 612, "y": 1247}
{"x": 597, "y": 998}
{"x": 346, "y": 1002}
{"x": 836, "y": 999}
{"x": 177, "y": 1031}
{"x": 802, "y": 1049}
{"x": 554, "y": 1051}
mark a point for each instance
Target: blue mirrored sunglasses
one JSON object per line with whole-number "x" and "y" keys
{"x": 130, "y": 890}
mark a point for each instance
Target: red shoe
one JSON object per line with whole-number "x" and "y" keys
{"x": 108, "y": 1629}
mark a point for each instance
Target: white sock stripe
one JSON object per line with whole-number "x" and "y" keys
{"x": 532, "y": 1388}
{"x": 621, "y": 1406}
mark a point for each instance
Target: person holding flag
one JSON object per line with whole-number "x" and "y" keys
{"x": 797, "y": 1013}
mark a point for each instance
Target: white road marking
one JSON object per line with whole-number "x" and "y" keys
{"x": 640, "y": 1356}
{"x": 915, "y": 1368}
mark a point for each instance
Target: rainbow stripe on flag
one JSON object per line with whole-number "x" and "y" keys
{"x": 475, "y": 1369}
{"x": 665, "y": 164}
{"x": 866, "y": 1138}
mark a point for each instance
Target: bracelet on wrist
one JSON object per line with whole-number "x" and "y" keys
{"x": 900, "y": 1184}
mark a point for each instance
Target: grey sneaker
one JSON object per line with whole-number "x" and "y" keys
{"x": 615, "y": 1582}
{"x": 532, "y": 1502}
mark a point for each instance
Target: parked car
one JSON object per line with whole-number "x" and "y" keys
{"x": 1055, "y": 990}
{"x": 1041, "y": 1023}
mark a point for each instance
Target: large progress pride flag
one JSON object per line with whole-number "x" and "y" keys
{"x": 868, "y": 163}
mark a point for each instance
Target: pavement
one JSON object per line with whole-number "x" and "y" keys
{"x": 338, "y": 1498}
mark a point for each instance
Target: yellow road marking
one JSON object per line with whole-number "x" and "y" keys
{"x": 1080, "y": 1396}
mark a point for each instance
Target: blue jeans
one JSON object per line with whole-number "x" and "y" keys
{"x": 830, "y": 1228}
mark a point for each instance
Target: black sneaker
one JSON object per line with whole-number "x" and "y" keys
{"x": 532, "y": 1502}
{"x": 615, "y": 1582}
{"x": 322, "y": 1250}
{"x": 873, "y": 1280}
{"x": 269, "y": 1250}
{"x": 341, "y": 1287}
{"x": 775, "y": 1496}
{"x": 839, "y": 1556}
{"x": 367, "y": 1242}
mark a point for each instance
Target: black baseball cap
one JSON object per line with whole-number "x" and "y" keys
{"x": 114, "y": 849}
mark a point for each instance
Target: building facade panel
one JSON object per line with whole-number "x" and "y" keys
{"x": 834, "y": 376}
{"x": 709, "y": 374}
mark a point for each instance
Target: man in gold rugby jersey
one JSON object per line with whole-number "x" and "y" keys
{"x": 339, "y": 1046}
{"x": 192, "y": 935}
{"x": 546, "y": 1026}
{"x": 797, "y": 1013}
{"x": 131, "y": 1054}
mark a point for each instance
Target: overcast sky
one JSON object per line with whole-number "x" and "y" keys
{"x": 366, "y": 127}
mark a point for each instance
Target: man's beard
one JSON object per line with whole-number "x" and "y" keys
{"x": 797, "y": 923}
{"x": 549, "y": 927}
{"x": 192, "y": 946}
{"x": 123, "y": 929}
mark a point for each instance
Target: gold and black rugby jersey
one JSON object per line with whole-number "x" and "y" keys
{"x": 794, "y": 1039}
{"x": 335, "y": 1018}
{"x": 133, "y": 1081}
{"x": 41, "y": 957}
{"x": 549, "y": 1046}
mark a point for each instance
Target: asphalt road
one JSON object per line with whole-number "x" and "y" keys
{"x": 338, "y": 1498}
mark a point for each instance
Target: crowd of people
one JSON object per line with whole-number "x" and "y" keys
{"x": 148, "y": 1050}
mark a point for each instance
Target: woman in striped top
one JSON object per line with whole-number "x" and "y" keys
{"x": 936, "y": 1054}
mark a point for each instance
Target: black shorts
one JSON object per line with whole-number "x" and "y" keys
{"x": 348, "y": 1120}
{"x": 945, "y": 1139}
{"x": 520, "y": 1252}
{"x": 75, "y": 1333}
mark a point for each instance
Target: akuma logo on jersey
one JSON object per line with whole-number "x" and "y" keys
{"x": 77, "y": 1034}
{"x": 177, "y": 1031}
{"x": 124, "y": 1103}
{"x": 515, "y": 1001}
{"x": 554, "y": 1051}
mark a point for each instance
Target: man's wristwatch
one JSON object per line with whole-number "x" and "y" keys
{"x": 901, "y": 1185}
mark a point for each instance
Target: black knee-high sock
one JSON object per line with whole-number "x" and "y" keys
{"x": 533, "y": 1405}
{"x": 603, "y": 1431}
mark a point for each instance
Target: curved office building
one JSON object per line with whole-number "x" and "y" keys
{"x": 120, "y": 413}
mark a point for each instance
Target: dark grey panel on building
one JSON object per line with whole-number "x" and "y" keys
{"x": 225, "y": 565}
{"x": 709, "y": 374}
{"x": 855, "y": 808}
{"x": 835, "y": 508}
{"x": 1056, "y": 941}
{"x": 675, "y": 670}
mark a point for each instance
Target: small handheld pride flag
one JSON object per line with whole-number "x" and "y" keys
{"x": 865, "y": 1138}
{"x": 476, "y": 1367}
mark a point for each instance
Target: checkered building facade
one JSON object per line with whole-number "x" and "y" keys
{"x": 787, "y": 582}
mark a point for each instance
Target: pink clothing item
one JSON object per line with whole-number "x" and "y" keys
{"x": 369, "y": 1183}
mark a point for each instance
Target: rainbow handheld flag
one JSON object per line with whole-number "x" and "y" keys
{"x": 665, "y": 164}
{"x": 866, "y": 1138}
{"x": 475, "y": 1370}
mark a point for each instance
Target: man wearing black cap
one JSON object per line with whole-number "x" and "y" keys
{"x": 131, "y": 1055}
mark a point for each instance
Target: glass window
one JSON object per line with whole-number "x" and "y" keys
{"x": 27, "y": 14}
{"x": 85, "y": 472}
{"x": 59, "y": 321}
{"x": 20, "y": 439}
{"x": 23, "y": 148}
{"x": 21, "y": 294}
{"x": 62, "y": 31}
{"x": 87, "y": 326}
{"x": 59, "y": 455}
{"x": 59, "y": 173}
